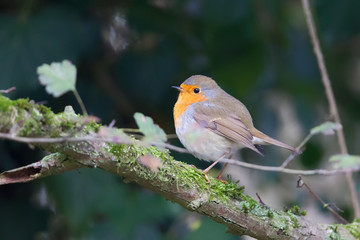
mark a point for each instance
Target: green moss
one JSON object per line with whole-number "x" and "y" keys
{"x": 34, "y": 119}
{"x": 30, "y": 127}
{"x": 32, "y": 124}
{"x": 334, "y": 234}
{"x": 48, "y": 115}
{"x": 128, "y": 156}
{"x": 5, "y": 103}
{"x": 294, "y": 220}
{"x": 23, "y": 103}
{"x": 67, "y": 125}
{"x": 130, "y": 153}
{"x": 92, "y": 127}
{"x": 246, "y": 207}
{"x": 249, "y": 204}
{"x": 280, "y": 222}
{"x": 225, "y": 191}
{"x": 354, "y": 228}
{"x": 189, "y": 176}
{"x": 296, "y": 210}
{"x": 29, "y": 115}
{"x": 185, "y": 176}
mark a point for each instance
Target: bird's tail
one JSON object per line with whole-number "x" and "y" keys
{"x": 262, "y": 136}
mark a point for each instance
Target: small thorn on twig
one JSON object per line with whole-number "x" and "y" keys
{"x": 300, "y": 183}
{"x": 112, "y": 123}
{"x": 260, "y": 200}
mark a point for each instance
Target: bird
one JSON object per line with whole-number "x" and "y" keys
{"x": 220, "y": 123}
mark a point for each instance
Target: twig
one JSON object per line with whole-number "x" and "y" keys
{"x": 260, "y": 200}
{"x": 8, "y": 90}
{"x": 332, "y": 103}
{"x": 81, "y": 103}
{"x": 301, "y": 183}
{"x": 288, "y": 160}
{"x": 288, "y": 170}
{"x": 131, "y": 130}
{"x": 293, "y": 155}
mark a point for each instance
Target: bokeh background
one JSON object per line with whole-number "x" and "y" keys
{"x": 128, "y": 54}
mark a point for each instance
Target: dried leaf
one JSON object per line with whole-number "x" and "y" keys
{"x": 58, "y": 78}
{"x": 345, "y": 161}
{"x": 151, "y": 162}
{"x": 327, "y": 128}
{"x": 152, "y": 132}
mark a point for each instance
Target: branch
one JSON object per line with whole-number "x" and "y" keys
{"x": 152, "y": 169}
{"x": 52, "y": 164}
{"x": 332, "y": 103}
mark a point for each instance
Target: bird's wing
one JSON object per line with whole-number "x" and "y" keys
{"x": 230, "y": 127}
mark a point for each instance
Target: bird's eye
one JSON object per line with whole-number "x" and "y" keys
{"x": 196, "y": 90}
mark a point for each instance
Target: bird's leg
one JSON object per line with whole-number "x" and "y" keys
{"x": 222, "y": 172}
{"x": 205, "y": 171}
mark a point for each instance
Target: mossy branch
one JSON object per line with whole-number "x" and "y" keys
{"x": 152, "y": 169}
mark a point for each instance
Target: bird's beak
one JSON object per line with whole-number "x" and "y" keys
{"x": 178, "y": 88}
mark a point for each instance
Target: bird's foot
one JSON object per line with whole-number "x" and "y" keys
{"x": 206, "y": 177}
{"x": 221, "y": 180}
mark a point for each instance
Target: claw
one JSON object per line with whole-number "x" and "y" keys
{"x": 221, "y": 180}
{"x": 207, "y": 178}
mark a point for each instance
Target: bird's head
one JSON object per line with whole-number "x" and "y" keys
{"x": 197, "y": 88}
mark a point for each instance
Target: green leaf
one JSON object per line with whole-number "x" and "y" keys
{"x": 327, "y": 128}
{"x": 58, "y": 78}
{"x": 153, "y": 133}
{"x": 345, "y": 161}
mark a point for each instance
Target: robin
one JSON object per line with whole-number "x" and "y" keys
{"x": 223, "y": 122}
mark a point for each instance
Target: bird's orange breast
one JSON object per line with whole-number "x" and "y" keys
{"x": 185, "y": 99}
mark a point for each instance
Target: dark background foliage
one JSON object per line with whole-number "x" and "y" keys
{"x": 128, "y": 54}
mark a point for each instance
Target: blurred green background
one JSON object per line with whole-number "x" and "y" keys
{"x": 128, "y": 54}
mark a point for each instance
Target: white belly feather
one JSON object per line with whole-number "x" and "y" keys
{"x": 202, "y": 142}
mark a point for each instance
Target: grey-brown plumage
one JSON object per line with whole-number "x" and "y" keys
{"x": 224, "y": 116}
